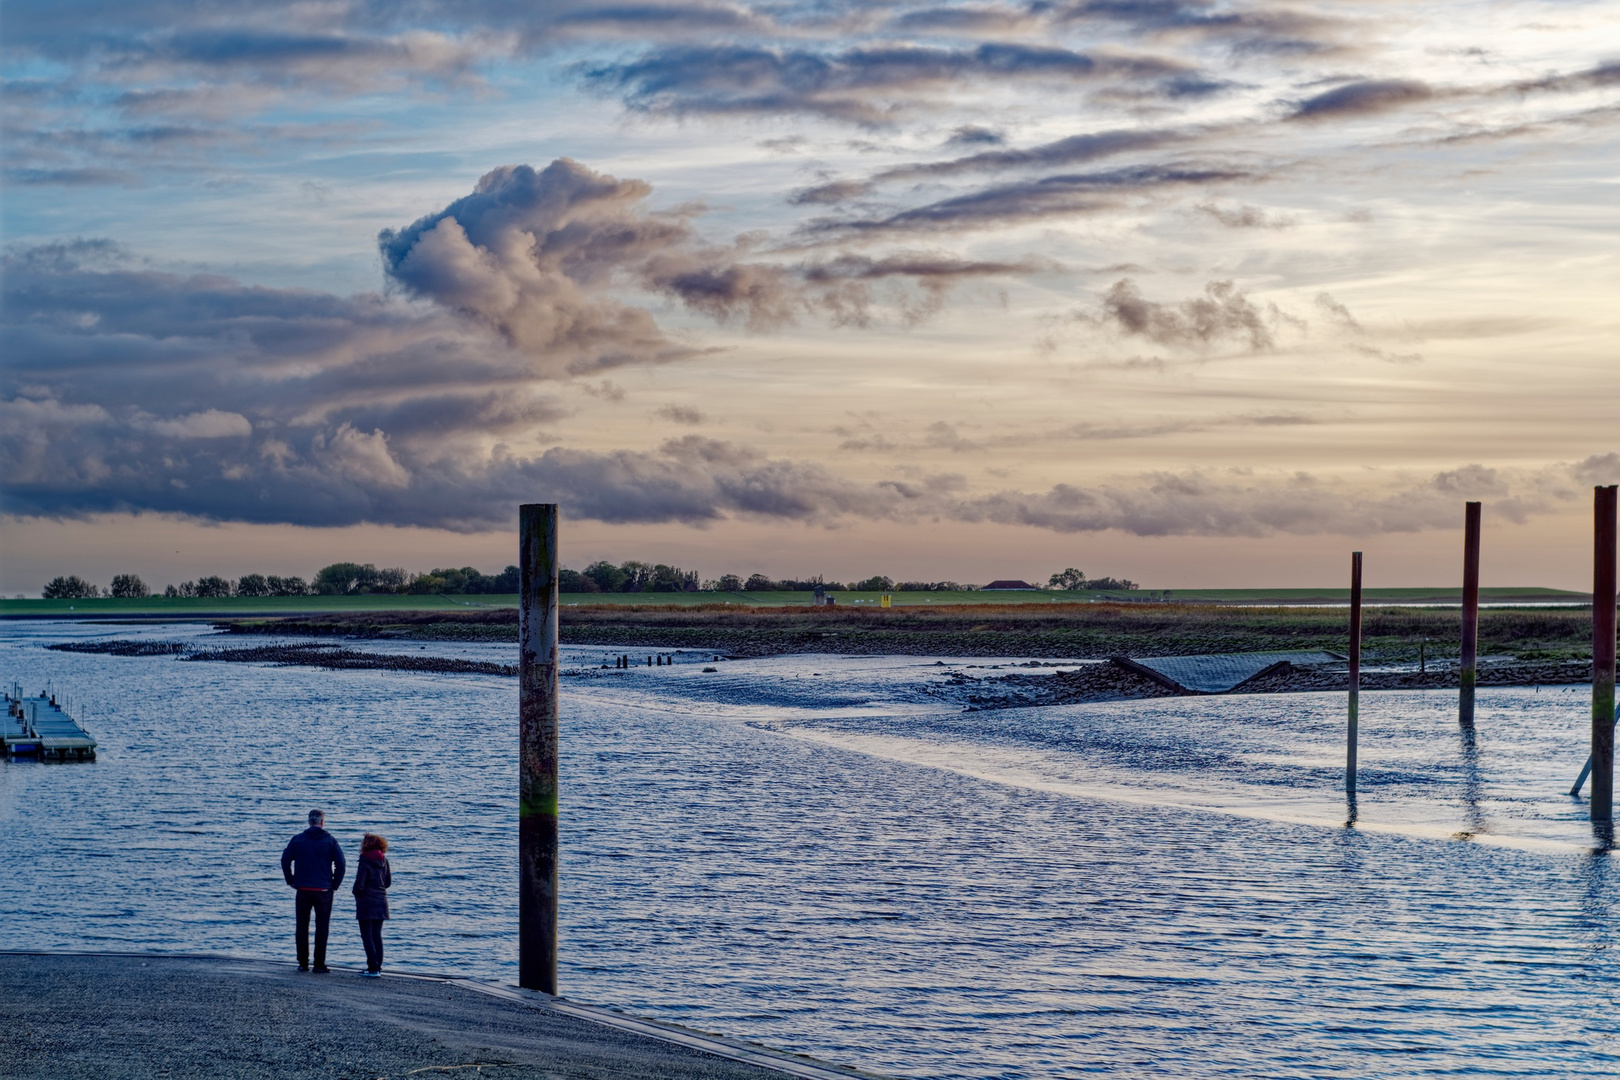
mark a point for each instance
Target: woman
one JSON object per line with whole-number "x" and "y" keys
{"x": 371, "y": 880}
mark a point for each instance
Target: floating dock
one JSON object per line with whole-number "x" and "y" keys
{"x": 37, "y": 727}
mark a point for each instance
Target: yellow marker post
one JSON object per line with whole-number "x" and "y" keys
{"x": 885, "y": 601}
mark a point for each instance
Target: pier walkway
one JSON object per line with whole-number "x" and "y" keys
{"x": 113, "y": 1016}
{"x": 37, "y": 727}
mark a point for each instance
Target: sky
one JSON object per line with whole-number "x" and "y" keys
{"x": 1200, "y": 294}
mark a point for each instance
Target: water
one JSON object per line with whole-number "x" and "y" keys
{"x": 816, "y": 853}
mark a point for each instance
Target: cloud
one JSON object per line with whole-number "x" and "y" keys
{"x": 208, "y": 424}
{"x": 681, "y": 414}
{"x": 1026, "y": 200}
{"x": 975, "y": 135}
{"x": 1072, "y": 150}
{"x": 1223, "y": 313}
{"x": 965, "y": 20}
{"x": 1254, "y": 29}
{"x": 1598, "y": 469}
{"x": 1595, "y": 78}
{"x": 1201, "y": 503}
{"x": 140, "y": 391}
{"x": 864, "y": 85}
{"x": 533, "y": 254}
{"x": 1244, "y": 217}
{"x": 1363, "y": 98}
{"x": 536, "y": 255}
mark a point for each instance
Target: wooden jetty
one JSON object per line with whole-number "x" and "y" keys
{"x": 37, "y": 727}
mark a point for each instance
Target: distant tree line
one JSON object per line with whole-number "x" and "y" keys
{"x": 1072, "y": 579}
{"x": 359, "y": 579}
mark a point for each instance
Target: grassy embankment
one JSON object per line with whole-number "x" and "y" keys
{"x": 1053, "y": 630}
{"x": 233, "y": 606}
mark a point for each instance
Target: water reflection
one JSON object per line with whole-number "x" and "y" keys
{"x": 834, "y": 865}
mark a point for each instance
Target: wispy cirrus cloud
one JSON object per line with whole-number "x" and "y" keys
{"x": 1068, "y": 151}
{"x": 865, "y": 85}
{"x": 1071, "y": 195}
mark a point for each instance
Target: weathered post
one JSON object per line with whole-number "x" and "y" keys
{"x": 537, "y": 748}
{"x": 1468, "y": 672}
{"x": 1355, "y": 675}
{"x": 1603, "y": 602}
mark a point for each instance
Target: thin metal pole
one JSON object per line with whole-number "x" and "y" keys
{"x": 1603, "y": 642}
{"x": 537, "y": 748}
{"x": 1353, "y": 733}
{"x": 1468, "y": 673}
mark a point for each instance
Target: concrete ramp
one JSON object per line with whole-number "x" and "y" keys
{"x": 1217, "y": 673}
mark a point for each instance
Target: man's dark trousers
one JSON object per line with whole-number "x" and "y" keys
{"x": 319, "y": 901}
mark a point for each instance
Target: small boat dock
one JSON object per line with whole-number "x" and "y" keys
{"x": 37, "y": 727}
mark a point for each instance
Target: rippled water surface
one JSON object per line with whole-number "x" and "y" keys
{"x": 815, "y": 853}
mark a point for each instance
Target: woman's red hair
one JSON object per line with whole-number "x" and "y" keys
{"x": 372, "y": 842}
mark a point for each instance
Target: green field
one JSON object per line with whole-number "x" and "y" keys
{"x": 228, "y": 607}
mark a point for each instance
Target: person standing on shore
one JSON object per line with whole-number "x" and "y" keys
{"x": 372, "y": 876}
{"x": 313, "y": 864}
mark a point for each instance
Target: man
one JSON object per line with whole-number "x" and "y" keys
{"x": 313, "y": 864}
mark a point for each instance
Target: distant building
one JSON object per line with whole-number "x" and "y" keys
{"x": 1008, "y": 585}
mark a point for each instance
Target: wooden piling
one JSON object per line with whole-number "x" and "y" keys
{"x": 1468, "y": 672}
{"x": 1353, "y": 732}
{"x": 1603, "y": 646}
{"x": 537, "y": 748}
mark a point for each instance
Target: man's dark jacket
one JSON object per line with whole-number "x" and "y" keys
{"x": 313, "y": 860}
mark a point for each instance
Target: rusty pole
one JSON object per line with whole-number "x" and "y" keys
{"x": 1353, "y": 732}
{"x": 1468, "y": 673}
{"x": 1603, "y": 611}
{"x": 537, "y": 747}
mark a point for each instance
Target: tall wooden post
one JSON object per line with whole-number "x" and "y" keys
{"x": 1353, "y": 733}
{"x": 1468, "y": 673}
{"x": 1603, "y": 605}
{"x": 537, "y": 747}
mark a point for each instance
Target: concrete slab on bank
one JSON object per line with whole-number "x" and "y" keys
{"x": 67, "y": 1015}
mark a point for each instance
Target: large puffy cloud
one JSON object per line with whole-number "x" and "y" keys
{"x": 536, "y": 254}
{"x": 533, "y": 253}
{"x": 131, "y": 387}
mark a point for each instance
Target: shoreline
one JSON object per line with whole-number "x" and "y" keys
{"x": 1090, "y": 680}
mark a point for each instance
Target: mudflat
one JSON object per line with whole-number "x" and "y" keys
{"x": 1078, "y": 631}
{"x": 140, "y": 1016}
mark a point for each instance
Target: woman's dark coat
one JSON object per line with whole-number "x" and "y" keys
{"x": 371, "y": 880}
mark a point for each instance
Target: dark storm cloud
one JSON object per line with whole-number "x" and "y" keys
{"x": 1363, "y": 98}
{"x": 863, "y": 85}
